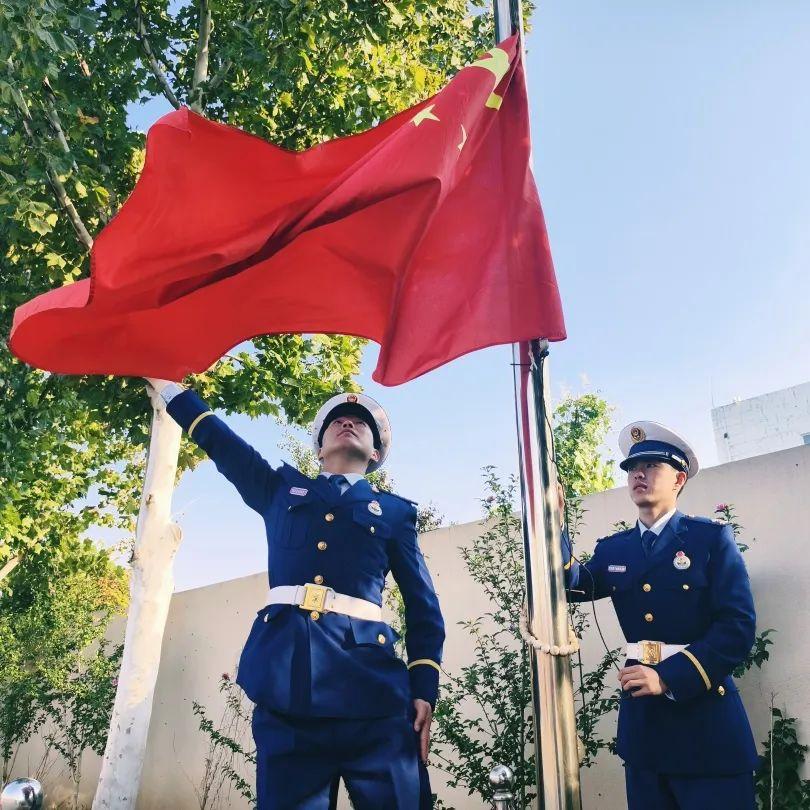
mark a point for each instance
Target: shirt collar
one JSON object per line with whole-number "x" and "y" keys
{"x": 352, "y": 478}
{"x": 659, "y": 524}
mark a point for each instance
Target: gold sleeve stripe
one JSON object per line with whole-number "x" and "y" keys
{"x": 197, "y": 421}
{"x": 426, "y": 661}
{"x": 568, "y": 564}
{"x": 699, "y": 668}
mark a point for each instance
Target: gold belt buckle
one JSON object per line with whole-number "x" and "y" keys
{"x": 650, "y": 652}
{"x": 314, "y": 597}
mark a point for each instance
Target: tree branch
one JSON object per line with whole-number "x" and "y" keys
{"x": 64, "y": 200}
{"x": 220, "y": 75}
{"x": 56, "y": 123}
{"x": 82, "y": 234}
{"x": 201, "y": 65}
{"x": 157, "y": 70}
{"x": 8, "y": 567}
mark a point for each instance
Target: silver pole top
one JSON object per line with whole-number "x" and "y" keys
{"x": 22, "y": 794}
{"x": 501, "y": 776}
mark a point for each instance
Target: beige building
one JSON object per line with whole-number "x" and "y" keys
{"x": 207, "y": 626}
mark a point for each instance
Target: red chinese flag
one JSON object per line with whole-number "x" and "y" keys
{"x": 424, "y": 234}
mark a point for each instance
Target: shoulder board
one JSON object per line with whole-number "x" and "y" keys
{"x": 704, "y": 520}
{"x": 398, "y": 497}
{"x": 622, "y": 533}
{"x": 291, "y": 473}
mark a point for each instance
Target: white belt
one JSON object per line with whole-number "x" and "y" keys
{"x": 324, "y": 600}
{"x": 652, "y": 652}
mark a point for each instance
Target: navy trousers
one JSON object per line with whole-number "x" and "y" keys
{"x": 300, "y": 761}
{"x": 648, "y": 790}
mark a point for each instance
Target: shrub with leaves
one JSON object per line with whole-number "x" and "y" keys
{"x": 778, "y": 781}
{"x": 54, "y": 664}
{"x": 484, "y": 715}
{"x": 231, "y": 752}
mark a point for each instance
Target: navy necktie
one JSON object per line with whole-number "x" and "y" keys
{"x": 647, "y": 540}
{"x": 337, "y": 481}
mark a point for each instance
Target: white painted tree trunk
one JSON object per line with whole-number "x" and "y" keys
{"x": 152, "y": 582}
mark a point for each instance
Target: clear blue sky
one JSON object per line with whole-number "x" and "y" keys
{"x": 673, "y": 161}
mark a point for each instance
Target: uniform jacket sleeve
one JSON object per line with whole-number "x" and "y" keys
{"x": 583, "y": 581}
{"x": 424, "y": 625}
{"x": 252, "y": 476}
{"x": 730, "y": 636}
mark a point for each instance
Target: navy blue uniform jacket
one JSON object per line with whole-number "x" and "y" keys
{"x": 335, "y": 665}
{"x": 708, "y": 607}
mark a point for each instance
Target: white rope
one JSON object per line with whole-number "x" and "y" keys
{"x": 549, "y": 649}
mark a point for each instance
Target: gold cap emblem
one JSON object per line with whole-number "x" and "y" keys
{"x": 351, "y": 398}
{"x": 637, "y": 435}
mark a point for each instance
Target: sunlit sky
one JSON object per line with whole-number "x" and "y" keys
{"x": 672, "y": 156}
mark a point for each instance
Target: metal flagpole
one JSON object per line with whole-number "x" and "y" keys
{"x": 556, "y": 754}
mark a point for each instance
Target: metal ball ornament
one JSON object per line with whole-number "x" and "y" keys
{"x": 501, "y": 776}
{"x": 22, "y": 794}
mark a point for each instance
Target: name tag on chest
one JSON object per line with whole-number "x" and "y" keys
{"x": 617, "y": 569}
{"x": 298, "y": 491}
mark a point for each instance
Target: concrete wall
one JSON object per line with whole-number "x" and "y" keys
{"x": 763, "y": 424}
{"x": 207, "y": 626}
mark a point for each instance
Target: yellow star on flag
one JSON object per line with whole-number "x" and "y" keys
{"x": 425, "y": 114}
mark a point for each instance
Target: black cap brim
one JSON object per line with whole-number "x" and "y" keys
{"x": 351, "y": 409}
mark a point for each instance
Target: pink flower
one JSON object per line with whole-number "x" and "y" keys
{"x": 225, "y": 676}
{"x": 721, "y": 507}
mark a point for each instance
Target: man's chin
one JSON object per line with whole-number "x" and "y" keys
{"x": 641, "y": 498}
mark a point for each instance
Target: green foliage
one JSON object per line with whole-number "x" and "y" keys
{"x": 726, "y": 514}
{"x": 230, "y": 752}
{"x": 484, "y": 716}
{"x": 53, "y": 663}
{"x": 779, "y": 785}
{"x": 580, "y": 427}
{"x": 759, "y": 653}
{"x": 80, "y": 711}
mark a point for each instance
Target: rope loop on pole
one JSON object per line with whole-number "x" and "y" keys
{"x": 541, "y": 646}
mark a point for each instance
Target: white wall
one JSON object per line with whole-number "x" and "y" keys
{"x": 763, "y": 424}
{"x": 207, "y": 626}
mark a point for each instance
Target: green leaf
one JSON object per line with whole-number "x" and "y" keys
{"x": 47, "y": 38}
{"x": 39, "y": 226}
{"x": 81, "y": 189}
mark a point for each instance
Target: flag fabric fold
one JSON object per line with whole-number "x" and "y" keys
{"x": 424, "y": 234}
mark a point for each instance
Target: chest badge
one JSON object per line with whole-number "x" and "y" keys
{"x": 375, "y": 508}
{"x": 681, "y": 561}
{"x": 298, "y": 491}
{"x": 617, "y": 569}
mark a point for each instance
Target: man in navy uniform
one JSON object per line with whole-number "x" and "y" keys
{"x": 333, "y": 700}
{"x": 683, "y": 599}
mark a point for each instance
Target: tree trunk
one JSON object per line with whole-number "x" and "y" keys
{"x": 77, "y": 780}
{"x": 8, "y": 567}
{"x": 151, "y": 586}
